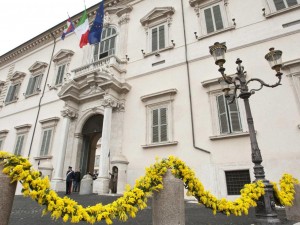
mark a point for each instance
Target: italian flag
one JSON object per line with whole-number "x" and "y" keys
{"x": 82, "y": 30}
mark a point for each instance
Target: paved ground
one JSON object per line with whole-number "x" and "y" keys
{"x": 27, "y": 212}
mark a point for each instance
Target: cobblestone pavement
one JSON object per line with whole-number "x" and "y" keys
{"x": 27, "y": 212}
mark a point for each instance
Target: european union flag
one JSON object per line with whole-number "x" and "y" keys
{"x": 96, "y": 29}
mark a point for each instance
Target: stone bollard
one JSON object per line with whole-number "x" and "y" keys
{"x": 293, "y": 212}
{"x": 168, "y": 203}
{"x": 7, "y": 194}
{"x": 86, "y": 185}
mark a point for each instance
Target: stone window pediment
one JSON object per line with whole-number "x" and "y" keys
{"x": 38, "y": 67}
{"x": 17, "y": 76}
{"x": 50, "y": 122}
{"x": 23, "y": 128}
{"x": 63, "y": 54}
{"x": 157, "y": 14}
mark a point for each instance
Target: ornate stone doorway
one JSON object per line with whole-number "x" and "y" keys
{"x": 91, "y": 132}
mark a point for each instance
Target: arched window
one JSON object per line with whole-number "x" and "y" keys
{"x": 107, "y": 45}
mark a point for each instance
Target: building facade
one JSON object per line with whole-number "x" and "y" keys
{"x": 150, "y": 89}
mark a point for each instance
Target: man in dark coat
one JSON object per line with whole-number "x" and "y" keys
{"x": 76, "y": 181}
{"x": 69, "y": 179}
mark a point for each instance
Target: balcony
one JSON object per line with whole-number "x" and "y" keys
{"x": 110, "y": 65}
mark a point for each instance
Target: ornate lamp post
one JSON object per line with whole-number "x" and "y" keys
{"x": 265, "y": 210}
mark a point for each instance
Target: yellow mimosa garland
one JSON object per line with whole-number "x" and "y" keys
{"x": 19, "y": 169}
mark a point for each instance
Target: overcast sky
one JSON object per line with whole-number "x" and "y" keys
{"x": 21, "y": 20}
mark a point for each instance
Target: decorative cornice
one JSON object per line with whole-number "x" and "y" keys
{"x": 37, "y": 67}
{"x": 62, "y": 54}
{"x": 46, "y": 37}
{"x": 124, "y": 19}
{"x": 17, "y": 76}
{"x": 49, "y": 122}
{"x": 156, "y": 14}
{"x": 23, "y": 128}
{"x": 169, "y": 92}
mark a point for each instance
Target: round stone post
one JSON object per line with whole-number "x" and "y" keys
{"x": 7, "y": 194}
{"x": 168, "y": 203}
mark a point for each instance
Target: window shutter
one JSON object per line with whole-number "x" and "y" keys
{"x": 291, "y": 2}
{"x": 96, "y": 51}
{"x": 16, "y": 92}
{"x": 1, "y": 144}
{"x": 209, "y": 20}
{"x": 155, "y": 126}
{"x": 218, "y": 17}
{"x": 235, "y": 117}
{"x": 43, "y": 144}
{"x": 161, "y": 36}
{"x": 223, "y": 120}
{"x": 154, "y": 39}
{"x": 279, "y": 4}
{"x": 58, "y": 75}
{"x": 30, "y": 86}
{"x": 10, "y": 93}
{"x": 163, "y": 125}
{"x": 38, "y": 80}
{"x": 49, "y": 133}
{"x": 19, "y": 144}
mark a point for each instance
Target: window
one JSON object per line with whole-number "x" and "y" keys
{"x": 157, "y": 24}
{"x": 159, "y": 125}
{"x": 159, "y": 118}
{"x": 213, "y": 19}
{"x": 12, "y": 94}
{"x": 22, "y": 132}
{"x": 46, "y": 142}
{"x": 19, "y": 144}
{"x": 13, "y": 90}
{"x": 34, "y": 85}
{"x": 61, "y": 61}
{"x": 48, "y": 131}
{"x": 282, "y": 4}
{"x": 3, "y": 134}
{"x": 60, "y": 74}
{"x": 107, "y": 45}
{"x": 158, "y": 40}
{"x": 229, "y": 116}
{"x": 235, "y": 181}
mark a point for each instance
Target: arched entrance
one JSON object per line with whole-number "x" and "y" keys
{"x": 91, "y": 132}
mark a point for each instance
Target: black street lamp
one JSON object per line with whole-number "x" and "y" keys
{"x": 265, "y": 211}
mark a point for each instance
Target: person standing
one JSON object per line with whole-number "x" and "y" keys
{"x": 69, "y": 179}
{"x": 113, "y": 180}
{"x": 76, "y": 181}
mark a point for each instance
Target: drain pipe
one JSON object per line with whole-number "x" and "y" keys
{"x": 189, "y": 83}
{"x": 43, "y": 92}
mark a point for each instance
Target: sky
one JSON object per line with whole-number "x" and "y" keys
{"x": 21, "y": 20}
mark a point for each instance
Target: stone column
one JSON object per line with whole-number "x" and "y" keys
{"x": 117, "y": 157}
{"x": 67, "y": 115}
{"x": 101, "y": 184}
{"x": 168, "y": 203}
{"x": 7, "y": 194}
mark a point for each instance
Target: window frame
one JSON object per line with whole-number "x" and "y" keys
{"x": 229, "y": 193}
{"x": 21, "y": 131}
{"x": 47, "y": 125}
{"x": 110, "y": 51}
{"x": 228, "y": 112}
{"x": 20, "y": 148}
{"x": 3, "y": 134}
{"x": 14, "y": 94}
{"x": 200, "y": 6}
{"x": 158, "y": 100}
{"x": 150, "y": 47}
{"x": 270, "y": 8}
{"x": 15, "y": 80}
{"x": 159, "y": 16}
{"x": 61, "y": 58}
{"x": 36, "y": 86}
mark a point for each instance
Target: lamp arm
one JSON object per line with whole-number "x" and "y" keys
{"x": 262, "y": 84}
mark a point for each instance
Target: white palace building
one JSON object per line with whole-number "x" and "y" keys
{"x": 150, "y": 89}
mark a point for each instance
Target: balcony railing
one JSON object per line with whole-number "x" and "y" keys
{"x": 102, "y": 64}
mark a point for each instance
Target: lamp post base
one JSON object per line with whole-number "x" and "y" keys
{"x": 265, "y": 210}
